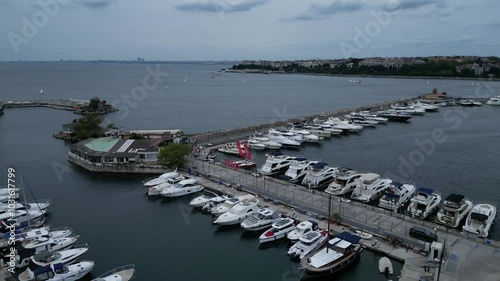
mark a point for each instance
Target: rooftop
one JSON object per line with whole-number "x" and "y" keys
{"x": 102, "y": 144}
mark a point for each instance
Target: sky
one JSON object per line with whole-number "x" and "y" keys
{"x": 245, "y": 29}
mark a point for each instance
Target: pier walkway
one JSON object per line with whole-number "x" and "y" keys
{"x": 466, "y": 258}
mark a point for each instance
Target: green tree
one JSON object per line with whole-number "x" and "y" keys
{"x": 136, "y": 136}
{"x": 174, "y": 155}
{"x": 94, "y": 103}
{"x": 89, "y": 126}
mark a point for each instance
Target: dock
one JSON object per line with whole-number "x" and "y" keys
{"x": 59, "y": 104}
{"x": 466, "y": 256}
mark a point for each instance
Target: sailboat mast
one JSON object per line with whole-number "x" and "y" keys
{"x": 25, "y": 202}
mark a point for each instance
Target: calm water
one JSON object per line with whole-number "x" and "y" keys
{"x": 168, "y": 241}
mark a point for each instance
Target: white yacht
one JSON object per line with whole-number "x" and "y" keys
{"x": 425, "y": 106}
{"x": 329, "y": 128}
{"x": 157, "y": 189}
{"x": 288, "y": 134}
{"x": 266, "y": 142}
{"x": 480, "y": 219}
{"x": 284, "y": 141}
{"x": 301, "y": 229}
{"x": 343, "y": 125}
{"x": 255, "y": 144}
{"x": 320, "y": 132}
{"x": 261, "y": 220}
{"x": 308, "y": 243}
{"x": 275, "y": 164}
{"x": 161, "y": 179}
{"x": 396, "y": 195}
{"x": 239, "y": 212}
{"x": 494, "y": 101}
{"x": 182, "y": 188}
{"x": 122, "y": 273}
{"x": 297, "y": 169}
{"x": 455, "y": 208}
{"x": 230, "y": 148}
{"x": 319, "y": 175}
{"x": 21, "y": 217}
{"x": 65, "y": 256}
{"x": 278, "y": 230}
{"x": 58, "y": 272}
{"x": 308, "y": 136}
{"x": 368, "y": 116}
{"x": 370, "y": 187}
{"x": 424, "y": 203}
{"x": 208, "y": 196}
{"x": 42, "y": 205}
{"x": 228, "y": 204}
{"x": 344, "y": 182}
{"x": 40, "y": 244}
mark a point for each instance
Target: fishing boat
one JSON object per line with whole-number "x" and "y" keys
{"x": 122, "y": 273}
{"x": 455, "y": 208}
{"x": 339, "y": 253}
{"x": 480, "y": 219}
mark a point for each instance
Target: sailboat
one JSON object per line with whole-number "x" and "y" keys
{"x": 41, "y": 91}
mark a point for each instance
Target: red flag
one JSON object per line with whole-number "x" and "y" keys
{"x": 239, "y": 149}
{"x": 247, "y": 151}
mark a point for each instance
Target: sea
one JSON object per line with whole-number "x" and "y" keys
{"x": 455, "y": 150}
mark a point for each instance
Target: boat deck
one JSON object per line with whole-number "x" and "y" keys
{"x": 465, "y": 253}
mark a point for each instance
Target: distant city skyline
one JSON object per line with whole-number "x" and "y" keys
{"x": 235, "y": 30}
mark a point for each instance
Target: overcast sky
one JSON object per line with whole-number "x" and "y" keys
{"x": 246, "y": 29}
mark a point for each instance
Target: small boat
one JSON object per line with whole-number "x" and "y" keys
{"x": 455, "y": 208}
{"x": 480, "y": 219}
{"x": 161, "y": 179}
{"x": 278, "y": 230}
{"x": 239, "y": 212}
{"x": 339, "y": 253}
{"x": 64, "y": 256}
{"x": 494, "y": 101}
{"x": 424, "y": 203}
{"x": 301, "y": 229}
{"x": 364, "y": 235}
{"x": 157, "y": 189}
{"x": 122, "y": 273}
{"x": 261, "y": 220}
{"x": 58, "y": 272}
{"x": 208, "y": 196}
{"x": 385, "y": 266}
{"x": 184, "y": 187}
{"x": 307, "y": 243}
{"x": 477, "y": 103}
{"x": 41, "y": 91}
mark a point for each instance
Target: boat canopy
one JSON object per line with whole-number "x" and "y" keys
{"x": 300, "y": 159}
{"x": 42, "y": 270}
{"x": 349, "y": 237}
{"x": 393, "y": 195}
{"x": 425, "y": 190}
{"x": 397, "y": 184}
{"x": 455, "y": 198}
{"x": 319, "y": 165}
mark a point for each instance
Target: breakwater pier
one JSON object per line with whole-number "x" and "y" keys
{"x": 74, "y": 105}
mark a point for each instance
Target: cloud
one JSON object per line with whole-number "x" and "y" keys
{"x": 321, "y": 9}
{"x": 96, "y": 4}
{"x": 217, "y": 6}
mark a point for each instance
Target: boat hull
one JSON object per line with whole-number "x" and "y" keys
{"x": 335, "y": 267}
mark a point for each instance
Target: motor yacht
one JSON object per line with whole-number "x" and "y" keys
{"x": 343, "y": 125}
{"x": 425, "y": 106}
{"x": 394, "y": 116}
{"x": 455, "y": 208}
{"x": 267, "y": 142}
{"x": 255, "y": 144}
{"x": 370, "y": 187}
{"x": 184, "y": 187}
{"x": 344, "y": 182}
{"x": 58, "y": 272}
{"x": 276, "y": 164}
{"x": 396, "y": 195}
{"x": 301, "y": 229}
{"x": 297, "y": 169}
{"x": 480, "y": 219}
{"x": 339, "y": 253}
{"x": 288, "y": 134}
{"x": 331, "y": 129}
{"x": 68, "y": 256}
{"x": 261, "y": 220}
{"x": 320, "y": 132}
{"x": 494, "y": 101}
{"x": 122, "y": 273}
{"x": 161, "y": 179}
{"x": 278, "y": 230}
{"x": 319, "y": 175}
{"x": 368, "y": 116}
{"x": 229, "y": 148}
{"x": 21, "y": 217}
{"x": 228, "y": 204}
{"x": 43, "y": 243}
{"x": 157, "y": 189}
{"x": 308, "y": 136}
{"x": 308, "y": 243}
{"x": 41, "y": 205}
{"x": 239, "y": 212}
{"x": 284, "y": 141}
{"x": 424, "y": 203}
{"x": 208, "y": 196}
